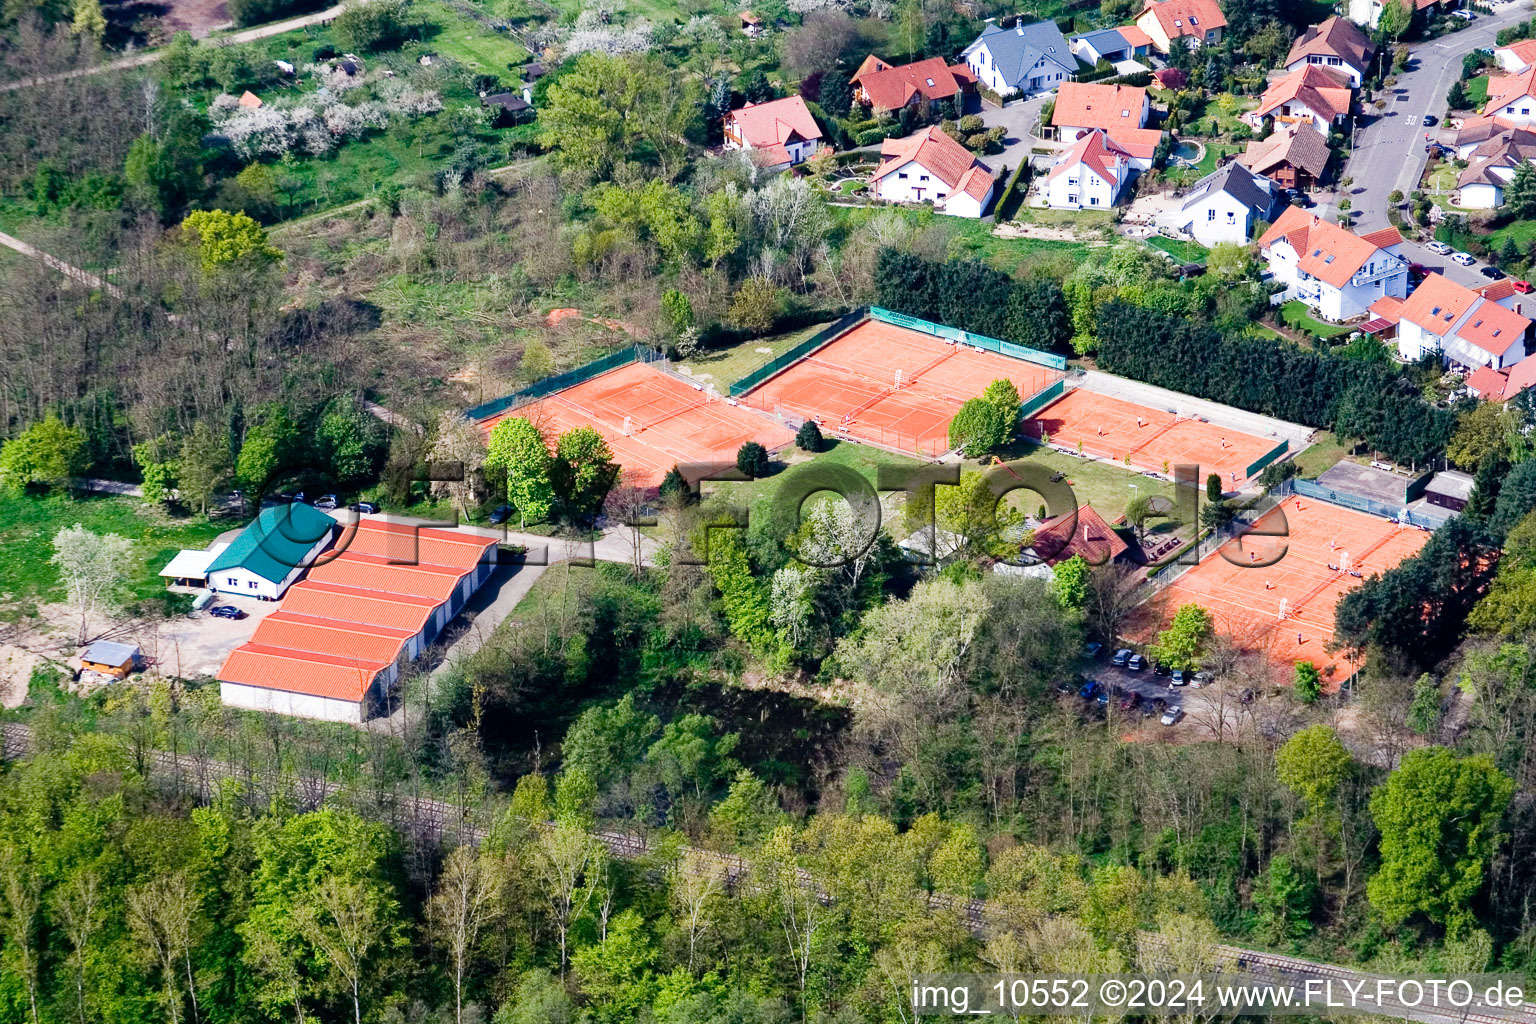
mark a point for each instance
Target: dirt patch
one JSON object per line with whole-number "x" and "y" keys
{"x": 1016, "y": 230}
{"x": 16, "y": 667}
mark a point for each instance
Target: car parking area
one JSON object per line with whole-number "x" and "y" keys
{"x": 196, "y": 644}
{"x": 1120, "y": 682}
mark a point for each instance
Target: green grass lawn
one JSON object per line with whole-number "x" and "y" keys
{"x": 970, "y": 239}
{"x": 471, "y": 44}
{"x": 1477, "y": 92}
{"x": 1326, "y": 450}
{"x": 1180, "y": 249}
{"x": 761, "y": 496}
{"x": 1081, "y": 221}
{"x": 1522, "y": 231}
{"x": 1213, "y": 152}
{"x": 1294, "y": 314}
{"x": 1108, "y": 488}
{"x": 724, "y": 366}
{"x": 28, "y": 524}
{"x": 1209, "y": 108}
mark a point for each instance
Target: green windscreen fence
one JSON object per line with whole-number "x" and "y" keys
{"x": 1268, "y": 457}
{"x": 981, "y": 341}
{"x": 559, "y": 382}
{"x": 1042, "y": 398}
{"x": 800, "y": 351}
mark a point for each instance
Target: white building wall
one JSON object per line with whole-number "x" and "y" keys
{"x": 1481, "y": 197}
{"x": 1521, "y": 110}
{"x": 244, "y": 583}
{"x": 1079, "y": 188}
{"x": 1327, "y": 63}
{"x": 1221, "y": 218}
{"x": 296, "y": 705}
{"x": 1413, "y": 341}
{"x": 963, "y": 204}
{"x": 911, "y": 182}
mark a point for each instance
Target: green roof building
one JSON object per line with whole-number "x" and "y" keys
{"x": 269, "y": 554}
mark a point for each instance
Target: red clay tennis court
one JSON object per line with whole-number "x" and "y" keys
{"x": 1246, "y": 597}
{"x": 651, "y": 420}
{"x": 851, "y": 386}
{"x": 1111, "y": 428}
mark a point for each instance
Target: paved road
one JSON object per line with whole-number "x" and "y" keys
{"x": 150, "y": 56}
{"x": 1389, "y": 152}
{"x": 1018, "y": 119}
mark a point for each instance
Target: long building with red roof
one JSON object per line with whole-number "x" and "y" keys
{"x": 335, "y": 647}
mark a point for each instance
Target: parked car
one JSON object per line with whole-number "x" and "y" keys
{"x": 500, "y": 514}
{"x": 1131, "y": 701}
{"x": 1173, "y": 714}
{"x": 1246, "y": 697}
{"x": 365, "y": 507}
{"x": 1466, "y": 259}
{"x": 1122, "y": 656}
{"x": 1200, "y": 679}
{"x": 1137, "y": 663}
{"x": 1090, "y": 689}
{"x": 1523, "y": 287}
{"x": 1435, "y": 149}
{"x": 327, "y": 502}
{"x": 1159, "y": 669}
{"x": 1439, "y": 248}
{"x": 226, "y": 611}
{"x": 1091, "y": 650}
{"x": 1429, "y": 120}
{"x": 1103, "y": 697}
{"x": 300, "y": 498}
{"x": 1180, "y": 677}
{"x": 1493, "y": 273}
{"x": 1464, "y": 15}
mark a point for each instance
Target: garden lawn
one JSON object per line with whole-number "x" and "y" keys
{"x": 1522, "y": 231}
{"x": 725, "y": 366}
{"x": 28, "y": 524}
{"x": 1294, "y": 314}
{"x": 1180, "y": 249}
{"x": 972, "y": 239}
{"x": 472, "y": 44}
{"x": 1477, "y": 92}
{"x": 1213, "y": 152}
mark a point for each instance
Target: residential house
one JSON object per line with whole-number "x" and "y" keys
{"x": 1513, "y": 97}
{"x": 1224, "y": 206}
{"x": 1367, "y": 13}
{"x": 1293, "y": 157}
{"x": 1336, "y": 45}
{"x": 269, "y": 554}
{"x": 1192, "y": 22}
{"x": 110, "y": 658}
{"x": 1337, "y": 273}
{"x": 1516, "y": 57}
{"x": 1466, "y": 328}
{"x": 1112, "y": 44}
{"x": 1093, "y": 174}
{"x": 1312, "y": 95}
{"x": 931, "y": 167}
{"x": 1491, "y": 166}
{"x": 1501, "y": 385}
{"x": 1080, "y": 108}
{"x": 1086, "y": 533}
{"x": 1025, "y": 59}
{"x": 782, "y": 132}
{"x": 1171, "y": 79}
{"x": 887, "y": 88}
{"x": 1475, "y": 131}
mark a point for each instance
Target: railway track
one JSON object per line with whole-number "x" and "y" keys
{"x": 438, "y": 819}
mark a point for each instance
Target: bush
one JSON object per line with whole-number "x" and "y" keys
{"x": 754, "y": 307}
{"x": 257, "y": 12}
{"x": 808, "y": 438}
{"x": 365, "y": 25}
{"x": 752, "y": 459}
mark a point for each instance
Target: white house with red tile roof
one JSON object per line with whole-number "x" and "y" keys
{"x": 1337, "y": 273}
{"x": 1194, "y": 22}
{"x": 1093, "y": 174}
{"x": 1336, "y": 45}
{"x": 1512, "y": 98}
{"x": 931, "y": 167}
{"x": 782, "y": 131}
{"x": 1464, "y": 327}
{"x": 1312, "y": 95}
{"x": 1082, "y": 107}
{"x": 1516, "y": 57}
